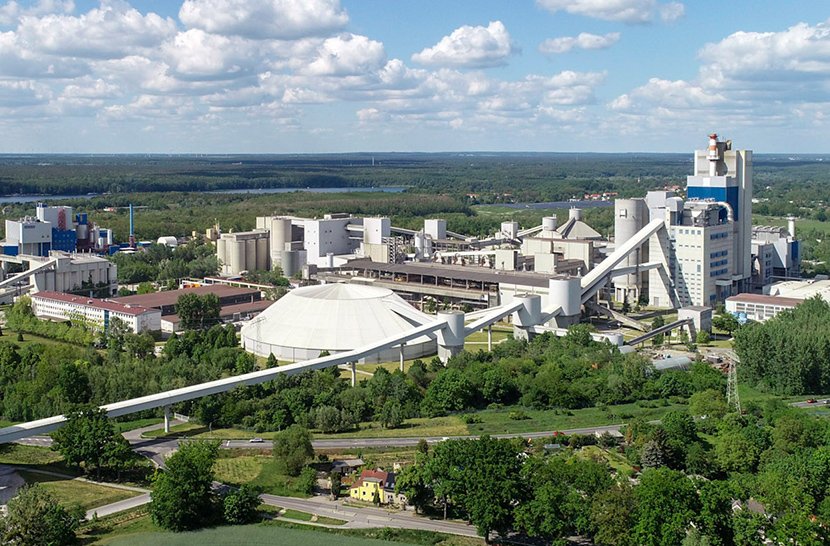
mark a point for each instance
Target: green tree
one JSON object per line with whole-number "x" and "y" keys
{"x": 307, "y": 480}
{"x": 35, "y": 518}
{"x": 198, "y": 312}
{"x": 411, "y": 482}
{"x": 612, "y": 516}
{"x": 547, "y": 513}
{"x": 657, "y": 323}
{"x": 183, "y": 496}
{"x": 336, "y": 481}
{"x": 293, "y": 449}
{"x": 450, "y": 391}
{"x": 666, "y": 504}
{"x": 703, "y": 338}
{"x": 240, "y": 506}
{"x": 709, "y": 403}
{"x": 391, "y": 415}
{"x": 89, "y": 440}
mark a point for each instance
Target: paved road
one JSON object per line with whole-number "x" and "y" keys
{"x": 820, "y": 402}
{"x": 365, "y": 517}
{"x": 119, "y": 506}
{"x": 157, "y": 448}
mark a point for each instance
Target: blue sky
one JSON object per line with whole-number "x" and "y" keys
{"x": 293, "y": 76}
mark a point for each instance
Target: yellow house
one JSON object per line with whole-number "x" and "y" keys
{"x": 370, "y": 482}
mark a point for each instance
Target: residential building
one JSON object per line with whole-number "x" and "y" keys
{"x": 377, "y": 483}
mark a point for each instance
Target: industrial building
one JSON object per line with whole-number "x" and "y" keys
{"x": 776, "y": 254}
{"x": 759, "y": 307}
{"x": 85, "y": 274}
{"x": 53, "y": 228}
{"x": 237, "y": 303}
{"x": 336, "y": 318}
{"x": 707, "y": 241}
{"x": 97, "y": 313}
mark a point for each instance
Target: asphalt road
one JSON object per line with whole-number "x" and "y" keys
{"x": 369, "y": 517}
{"x": 820, "y": 402}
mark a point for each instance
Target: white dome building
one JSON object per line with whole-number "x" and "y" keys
{"x": 336, "y": 318}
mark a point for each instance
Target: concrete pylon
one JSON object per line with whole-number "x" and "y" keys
{"x": 354, "y": 373}
{"x": 451, "y": 336}
{"x": 527, "y": 316}
{"x": 167, "y": 419}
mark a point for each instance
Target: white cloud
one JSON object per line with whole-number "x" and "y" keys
{"x": 113, "y": 30}
{"x": 261, "y": 19}
{"x": 677, "y": 94}
{"x": 198, "y": 54}
{"x": 467, "y": 46}
{"x": 626, "y": 11}
{"x": 347, "y": 55}
{"x": 584, "y": 40}
{"x": 799, "y": 51}
{"x": 10, "y": 12}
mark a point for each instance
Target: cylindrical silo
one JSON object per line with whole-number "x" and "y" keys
{"x": 630, "y": 216}
{"x": 290, "y": 262}
{"x": 330, "y": 259}
{"x": 575, "y": 214}
{"x": 262, "y": 254}
{"x": 419, "y": 244}
{"x": 250, "y": 254}
{"x": 237, "y": 249}
{"x": 280, "y": 233}
{"x": 549, "y": 223}
{"x": 565, "y": 292}
{"x": 221, "y": 254}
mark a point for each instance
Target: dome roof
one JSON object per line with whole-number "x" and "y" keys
{"x": 333, "y": 317}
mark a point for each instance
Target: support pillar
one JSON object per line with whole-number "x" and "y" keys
{"x": 402, "y": 346}
{"x": 490, "y": 338}
{"x": 167, "y": 419}
{"x": 354, "y": 373}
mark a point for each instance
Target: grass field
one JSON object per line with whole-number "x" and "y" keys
{"x": 43, "y": 457}
{"x": 236, "y": 467}
{"x": 616, "y": 461}
{"x": 75, "y": 492}
{"x": 285, "y": 533}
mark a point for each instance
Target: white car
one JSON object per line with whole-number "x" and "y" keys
{"x": 256, "y": 440}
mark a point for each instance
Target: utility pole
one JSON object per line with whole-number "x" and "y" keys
{"x": 732, "y": 398}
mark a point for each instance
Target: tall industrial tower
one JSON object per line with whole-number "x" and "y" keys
{"x": 724, "y": 175}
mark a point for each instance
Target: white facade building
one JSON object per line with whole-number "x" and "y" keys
{"x": 94, "y": 312}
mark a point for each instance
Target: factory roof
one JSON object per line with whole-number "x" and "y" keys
{"x": 802, "y": 289}
{"x": 169, "y": 297}
{"x": 472, "y": 273}
{"x": 765, "y": 299}
{"x": 334, "y": 317}
{"x": 228, "y": 311}
{"x": 108, "y": 305}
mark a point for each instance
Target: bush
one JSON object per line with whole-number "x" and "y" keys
{"x": 518, "y": 415}
{"x": 471, "y": 418}
{"x": 240, "y": 506}
{"x": 307, "y": 480}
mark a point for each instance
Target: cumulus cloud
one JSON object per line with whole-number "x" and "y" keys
{"x": 347, "y": 54}
{"x": 198, "y": 54}
{"x": 472, "y": 47}
{"x": 675, "y": 94}
{"x": 800, "y": 50}
{"x": 274, "y": 19}
{"x": 584, "y": 40}
{"x": 113, "y": 30}
{"x": 625, "y": 11}
{"x": 10, "y": 12}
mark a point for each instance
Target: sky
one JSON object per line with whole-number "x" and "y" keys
{"x": 313, "y": 76}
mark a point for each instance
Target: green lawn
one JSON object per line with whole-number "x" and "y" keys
{"x": 262, "y": 471}
{"x": 616, "y": 461}
{"x": 125, "y": 426}
{"x": 305, "y": 516}
{"x": 4, "y": 423}
{"x": 20, "y": 455}
{"x": 251, "y": 535}
{"x": 419, "y": 427}
{"x": 75, "y": 492}
{"x": 29, "y": 339}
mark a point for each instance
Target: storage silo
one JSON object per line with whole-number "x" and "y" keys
{"x": 250, "y": 254}
{"x": 566, "y": 292}
{"x": 549, "y": 223}
{"x": 222, "y": 256}
{"x": 237, "y": 249}
{"x": 630, "y": 216}
{"x": 262, "y": 253}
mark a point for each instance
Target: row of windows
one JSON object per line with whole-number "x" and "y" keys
{"x": 718, "y": 263}
{"x": 716, "y": 236}
{"x": 718, "y": 272}
{"x": 718, "y": 254}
